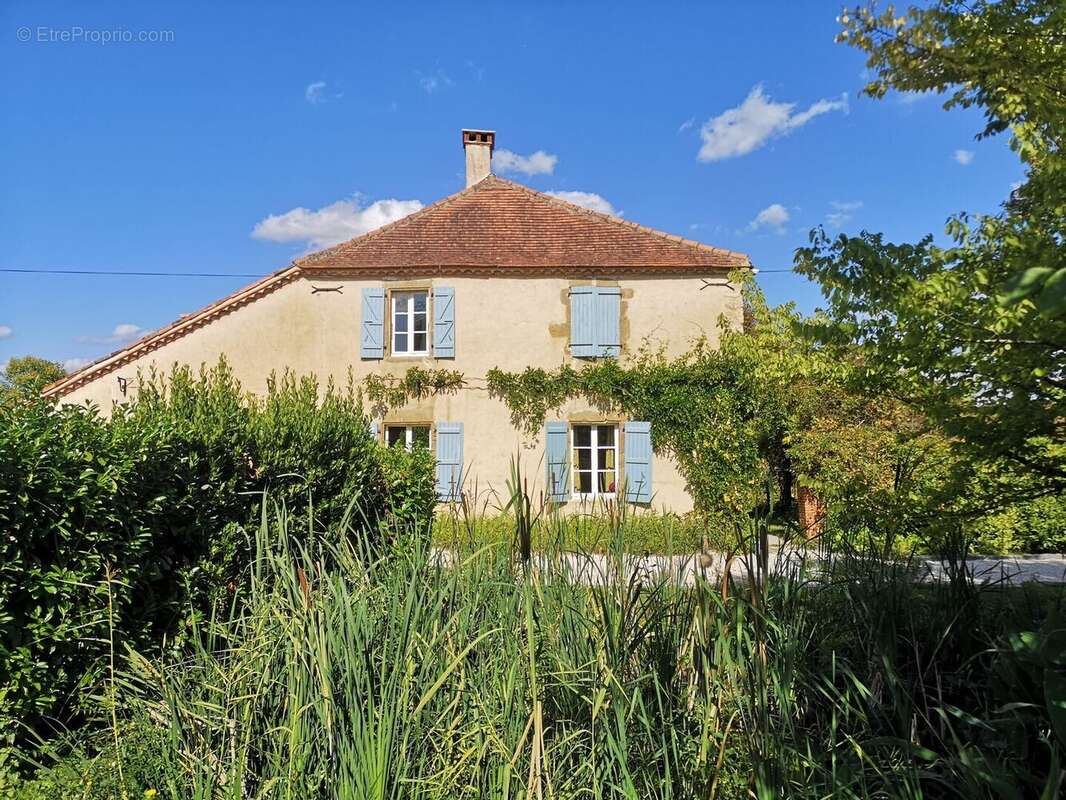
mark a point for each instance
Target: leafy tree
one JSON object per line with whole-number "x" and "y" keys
{"x": 28, "y": 375}
{"x": 879, "y": 466}
{"x": 971, "y": 335}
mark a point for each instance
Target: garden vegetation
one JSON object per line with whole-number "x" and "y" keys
{"x": 209, "y": 594}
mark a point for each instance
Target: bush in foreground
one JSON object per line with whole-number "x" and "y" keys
{"x": 121, "y": 530}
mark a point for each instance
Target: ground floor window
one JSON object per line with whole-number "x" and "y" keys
{"x": 595, "y": 459}
{"x": 407, "y": 436}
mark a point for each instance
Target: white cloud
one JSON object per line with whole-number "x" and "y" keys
{"x": 963, "y": 157}
{"x": 589, "y": 200}
{"x": 538, "y": 163}
{"x": 688, "y": 123}
{"x": 5, "y": 331}
{"x": 738, "y": 131}
{"x": 74, "y": 364}
{"x": 476, "y": 69}
{"x": 313, "y": 92}
{"x": 319, "y": 92}
{"x": 127, "y": 332}
{"x": 773, "y": 217}
{"x": 433, "y": 81}
{"x": 332, "y": 224}
{"x": 842, "y": 212}
{"x": 124, "y": 333}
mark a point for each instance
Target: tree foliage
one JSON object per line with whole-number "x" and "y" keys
{"x": 973, "y": 334}
{"x": 26, "y": 376}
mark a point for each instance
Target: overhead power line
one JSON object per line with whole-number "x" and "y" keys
{"x": 145, "y": 274}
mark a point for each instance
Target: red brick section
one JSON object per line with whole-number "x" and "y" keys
{"x": 811, "y": 512}
{"x": 497, "y": 223}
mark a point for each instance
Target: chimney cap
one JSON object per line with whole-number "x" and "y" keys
{"x": 478, "y": 136}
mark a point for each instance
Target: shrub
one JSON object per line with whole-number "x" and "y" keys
{"x": 596, "y": 531}
{"x": 96, "y": 766}
{"x": 1037, "y": 526}
{"x": 158, "y": 497}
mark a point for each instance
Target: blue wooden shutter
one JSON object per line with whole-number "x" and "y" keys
{"x": 444, "y": 322}
{"x": 637, "y": 444}
{"x": 449, "y": 460}
{"x": 608, "y": 336}
{"x": 556, "y": 448}
{"x": 372, "y": 331}
{"x": 375, "y": 429}
{"x": 582, "y": 321}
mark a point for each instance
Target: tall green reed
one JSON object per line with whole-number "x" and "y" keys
{"x": 366, "y": 670}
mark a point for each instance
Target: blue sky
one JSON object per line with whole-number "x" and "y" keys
{"x": 736, "y": 124}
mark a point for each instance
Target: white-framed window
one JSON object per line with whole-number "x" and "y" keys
{"x": 595, "y": 459}
{"x": 410, "y": 323}
{"x": 407, "y": 436}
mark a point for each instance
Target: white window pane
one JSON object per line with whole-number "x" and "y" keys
{"x": 395, "y": 435}
{"x": 420, "y": 302}
{"x": 420, "y": 343}
{"x": 400, "y": 343}
{"x": 582, "y": 435}
{"x": 420, "y": 322}
{"x": 401, "y": 323}
{"x": 606, "y": 435}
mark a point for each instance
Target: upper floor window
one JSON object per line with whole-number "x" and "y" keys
{"x": 410, "y": 331}
{"x": 595, "y": 460}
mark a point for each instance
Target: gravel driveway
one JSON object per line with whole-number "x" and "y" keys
{"x": 598, "y": 568}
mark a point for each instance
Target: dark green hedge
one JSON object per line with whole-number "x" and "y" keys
{"x": 160, "y": 496}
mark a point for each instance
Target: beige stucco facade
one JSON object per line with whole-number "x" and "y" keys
{"x": 505, "y": 322}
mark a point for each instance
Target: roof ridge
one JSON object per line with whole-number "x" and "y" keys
{"x": 610, "y": 218}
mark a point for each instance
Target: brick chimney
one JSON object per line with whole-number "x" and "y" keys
{"x": 478, "y": 146}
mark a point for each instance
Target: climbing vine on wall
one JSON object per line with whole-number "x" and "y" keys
{"x": 705, "y": 408}
{"x": 392, "y": 391}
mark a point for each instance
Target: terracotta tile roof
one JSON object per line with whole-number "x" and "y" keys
{"x": 497, "y": 223}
